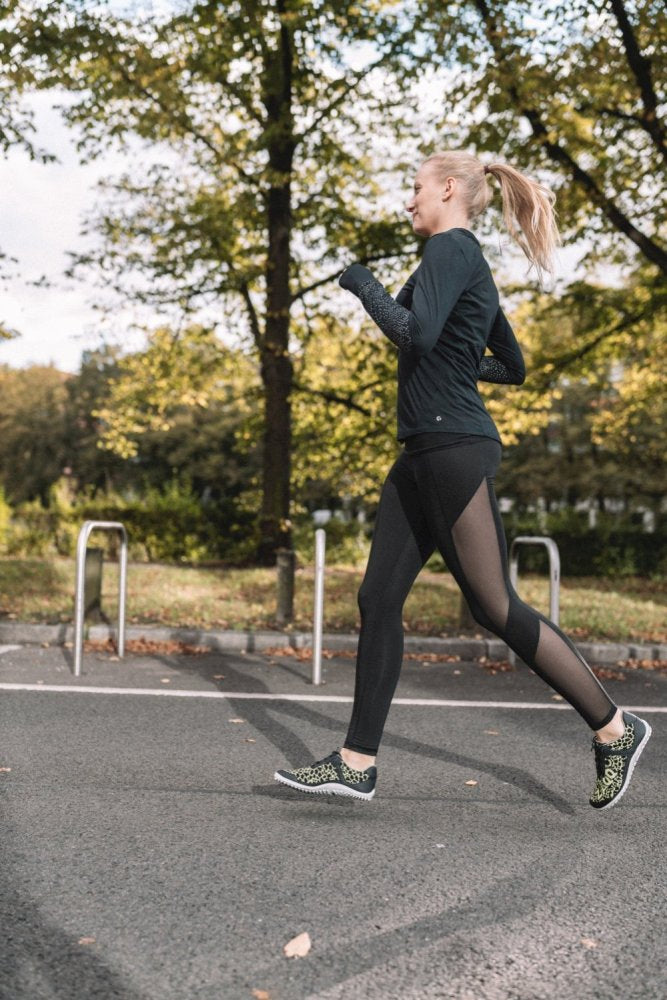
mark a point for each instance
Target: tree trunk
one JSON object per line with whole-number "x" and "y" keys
{"x": 276, "y": 364}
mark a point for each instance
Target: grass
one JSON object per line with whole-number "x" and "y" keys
{"x": 37, "y": 590}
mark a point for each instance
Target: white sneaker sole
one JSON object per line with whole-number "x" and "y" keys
{"x": 634, "y": 760}
{"x": 330, "y": 788}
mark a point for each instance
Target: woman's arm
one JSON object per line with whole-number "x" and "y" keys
{"x": 507, "y": 365}
{"x": 438, "y": 282}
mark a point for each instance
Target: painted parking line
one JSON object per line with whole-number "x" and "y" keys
{"x": 7, "y": 649}
{"x": 264, "y": 696}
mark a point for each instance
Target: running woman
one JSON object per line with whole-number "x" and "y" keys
{"x": 439, "y": 493}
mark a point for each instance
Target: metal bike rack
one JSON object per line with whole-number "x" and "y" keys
{"x": 554, "y": 573}
{"x": 318, "y": 612}
{"x": 81, "y": 545}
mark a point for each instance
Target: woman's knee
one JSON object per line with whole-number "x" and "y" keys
{"x": 374, "y": 599}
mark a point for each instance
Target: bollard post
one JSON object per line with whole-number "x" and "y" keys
{"x": 79, "y": 594}
{"x": 93, "y": 585}
{"x": 318, "y": 609}
{"x": 285, "y": 605}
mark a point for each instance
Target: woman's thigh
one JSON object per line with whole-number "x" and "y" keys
{"x": 401, "y": 542}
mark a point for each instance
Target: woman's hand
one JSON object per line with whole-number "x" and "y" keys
{"x": 354, "y": 276}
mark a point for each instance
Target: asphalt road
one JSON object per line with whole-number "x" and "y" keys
{"x": 147, "y": 853}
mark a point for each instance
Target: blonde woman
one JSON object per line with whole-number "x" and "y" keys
{"x": 439, "y": 493}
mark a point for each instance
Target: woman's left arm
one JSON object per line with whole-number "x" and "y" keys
{"x": 507, "y": 365}
{"x": 438, "y": 281}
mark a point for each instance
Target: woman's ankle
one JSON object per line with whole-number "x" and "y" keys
{"x": 358, "y": 761}
{"x": 613, "y": 730}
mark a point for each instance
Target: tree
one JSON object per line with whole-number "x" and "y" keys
{"x": 32, "y": 431}
{"x": 263, "y": 105}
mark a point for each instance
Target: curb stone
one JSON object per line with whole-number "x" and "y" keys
{"x": 250, "y": 641}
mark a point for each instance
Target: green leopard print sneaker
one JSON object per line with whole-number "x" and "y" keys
{"x": 615, "y": 761}
{"x": 332, "y": 776}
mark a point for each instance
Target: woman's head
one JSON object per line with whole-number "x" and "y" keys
{"x": 452, "y": 188}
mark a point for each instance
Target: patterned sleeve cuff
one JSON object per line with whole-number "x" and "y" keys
{"x": 392, "y": 318}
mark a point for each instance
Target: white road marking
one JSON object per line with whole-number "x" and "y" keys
{"x": 264, "y": 696}
{"x": 7, "y": 649}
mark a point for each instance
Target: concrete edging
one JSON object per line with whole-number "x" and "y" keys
{"x": 250, "y": 641}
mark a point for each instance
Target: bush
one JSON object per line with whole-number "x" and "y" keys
{"x": 346, "y": 541}
{"x": 5, "y": 516}
{"x": 170, "y": 525}
{"x": 614, "y": 547}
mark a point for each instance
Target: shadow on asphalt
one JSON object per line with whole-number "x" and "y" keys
{"x": 269, "y": 718}
{"x": 41, "y": 960}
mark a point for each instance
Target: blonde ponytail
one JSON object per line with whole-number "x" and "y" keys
{"x": 529, "y": 215}
{"x": 527, "y": 206}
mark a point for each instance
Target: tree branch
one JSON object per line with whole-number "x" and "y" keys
{"x": 252, "y": 315}
{"x": 565, "y": 360}
{"x": 332, "y": 397}
{"x": 368, "y": 259}
{"x": 651, "y": 250}
{"x": 641, "y": 70}
{"x": 184, "y": 122}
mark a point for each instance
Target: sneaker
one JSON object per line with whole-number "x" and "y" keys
{"x": 615, "y": 761}
{"x": 333, "y": 776}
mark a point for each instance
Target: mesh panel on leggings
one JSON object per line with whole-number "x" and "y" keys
{"x": 476, "y": 544}
{"x": 480, "y": 549}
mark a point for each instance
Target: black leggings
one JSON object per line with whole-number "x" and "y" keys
{"x": 444, "y": 497}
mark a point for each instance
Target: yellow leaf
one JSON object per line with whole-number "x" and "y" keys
{"x": 298, "y": 947}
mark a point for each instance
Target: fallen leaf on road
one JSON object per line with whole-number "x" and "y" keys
{"x": 471, "y": 782}
{"x": 492, "y": 732}
{"x": 218, "y": 677}
{"x": 165, "y": 680}
{"x": 298, "y": 947}
{"x": 249, "y": 739}
{"x": 607, "y": 674}
{"x": 494, "y": 667}
{"x": 589, "y": 943}
{"x": 87, "y": 940}
{"x": 557, "y": 697}
{"x": 261, "y": 994}
{"x": 5, "y": 770}
{"x": 235, "y": 720}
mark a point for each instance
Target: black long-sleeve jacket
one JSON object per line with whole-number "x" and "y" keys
{"x": 442, "y": 320}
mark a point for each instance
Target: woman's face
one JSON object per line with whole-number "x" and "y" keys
{"x": 426, "y": 204}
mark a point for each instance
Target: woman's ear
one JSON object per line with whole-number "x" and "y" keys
{"x": 448, "y": 190}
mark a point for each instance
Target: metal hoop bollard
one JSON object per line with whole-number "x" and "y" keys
{"x": 318, "y": 610}
{"x": 554, "y": 573}
{"x": 81, "y": 546}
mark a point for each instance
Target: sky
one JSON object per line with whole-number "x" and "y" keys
{"x": 42, "y": 209}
